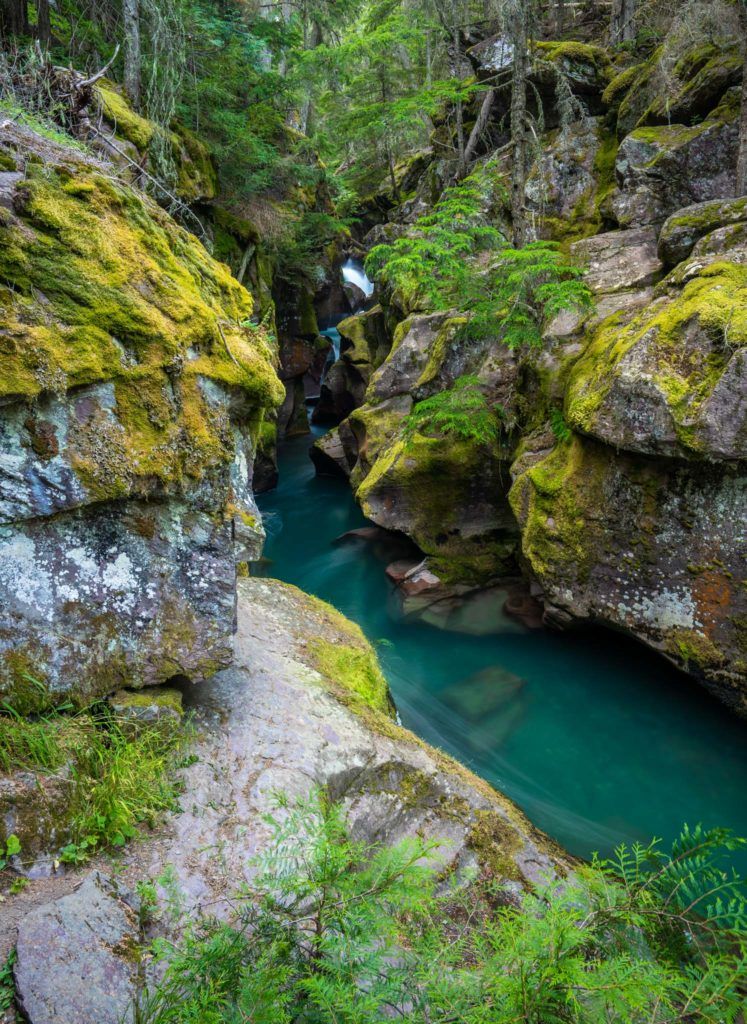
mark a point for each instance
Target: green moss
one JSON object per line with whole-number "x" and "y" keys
{"x": 496, "y": 842}
{"x": 160, "y": 696}
{"x": 355, "y": 669}
{"x": 7, "y": 162}
{"x": 128, "y": 297}
{"x": 694, "y": 649}
{"x": 496, "y": 559}
{"x": 197, "y": 176}
{"x": 127, "y": 122}
{"x": 551, "y": 501}
{"x": 620, "y": 84}
{"x": 576, "y": 53}
{"x": 20, "y": 684}
{"x": 716, "y": 299}
{"x": 308, "y": 326}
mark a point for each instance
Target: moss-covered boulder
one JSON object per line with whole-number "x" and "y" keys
{"x": 684, "y": 228}
{"x": 651, "y": 547}
{"x": 129, "y": 140}
{"x": 662, "y": 91}
{"x": 132, "y": 391}
{"x": 659, "y": 170}
{"x": 673, "y": 381}
{"x": 448, "y": 495}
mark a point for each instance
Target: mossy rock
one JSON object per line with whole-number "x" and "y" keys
{"x": 107, "y": 288}
{"x": 127, "y": 123}
{"x": 587, "y": 66}
{"x": 445, "y": 493}
{"x": 652, "y": 93}
{"x": 683, "y": 229}
{"x": 197, "y": 174}
{"x": 651, "y": 547}
{"x": 670, "y": 381}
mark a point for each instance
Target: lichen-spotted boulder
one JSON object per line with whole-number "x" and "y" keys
{"x": 132, "y": 389}
{"x": 674, "y": 380}
{"x": 660, "y": 169}
{"x": 652, "y": 547}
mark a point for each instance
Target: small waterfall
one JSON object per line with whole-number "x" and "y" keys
{"x": 352, "y": 271}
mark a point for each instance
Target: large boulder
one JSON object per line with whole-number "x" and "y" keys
{"x": 130, "y": 399}
{"x": 681, "y": 231}
{"x": 78, "y": 957}
{"x": 673, "y": 381}
{"x": 661, "y": 92}
{"x": 661, "y": 169}
{"x": 651, "y": 547}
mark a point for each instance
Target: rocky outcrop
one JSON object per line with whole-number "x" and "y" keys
{"x": 364, "y": 344}
{"x": 628, "y": 431}
{"x": 132, "y": 393}
{"x": 448, "y": 495}
{"x": 304, "y": 705}
{"x": 77, "y": 957}
{"x": 659, "y": 170}
{"x": 638, "y": 521}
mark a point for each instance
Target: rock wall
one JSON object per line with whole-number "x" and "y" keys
{"x": 618, "y": 486}
{"x": 133, "y": 390}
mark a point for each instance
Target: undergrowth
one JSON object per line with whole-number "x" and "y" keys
{"x": 334, "y": 930}
{"x": 462, "y": 411}
{"x": 113, "y": 777}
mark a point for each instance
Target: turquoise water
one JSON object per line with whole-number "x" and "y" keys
{"x": 594, "y": 737}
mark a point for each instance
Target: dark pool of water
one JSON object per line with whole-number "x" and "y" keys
{"x": 595, "y": 738}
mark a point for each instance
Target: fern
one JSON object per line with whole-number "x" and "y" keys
{"x": 462, "y": 411}
{"x": 335, "y": 930}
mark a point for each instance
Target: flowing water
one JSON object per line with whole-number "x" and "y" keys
{"x": 353, "y": 272}
{"x": 595, "y": 738}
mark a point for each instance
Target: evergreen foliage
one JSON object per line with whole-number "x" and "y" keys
{"x": 455, "y": 258}
{"x": 332, "y": 930}
{"x": 461, "y": 411}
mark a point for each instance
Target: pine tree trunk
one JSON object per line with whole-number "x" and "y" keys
{"x": 456, "y": 58}
{"x": 43, "y": 26}
{"x": 742, "y": 157}
{"x": 14, "y": 18}
{"x": 622, "y": 25}
{"x": 131, "y": 19}
{"x": 518, "y": 125}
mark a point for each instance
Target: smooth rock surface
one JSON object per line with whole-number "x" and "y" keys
{"x": 77, "y": 957}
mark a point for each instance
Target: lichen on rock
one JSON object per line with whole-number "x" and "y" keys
{"x": 134, "y": 386}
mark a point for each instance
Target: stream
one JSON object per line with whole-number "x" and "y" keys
{"x": 597, "y": 739}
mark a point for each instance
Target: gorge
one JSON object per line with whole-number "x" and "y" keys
{"x": 373, "y": 431}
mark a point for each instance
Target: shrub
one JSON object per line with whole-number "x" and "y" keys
{"x": 333, "y": 930}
